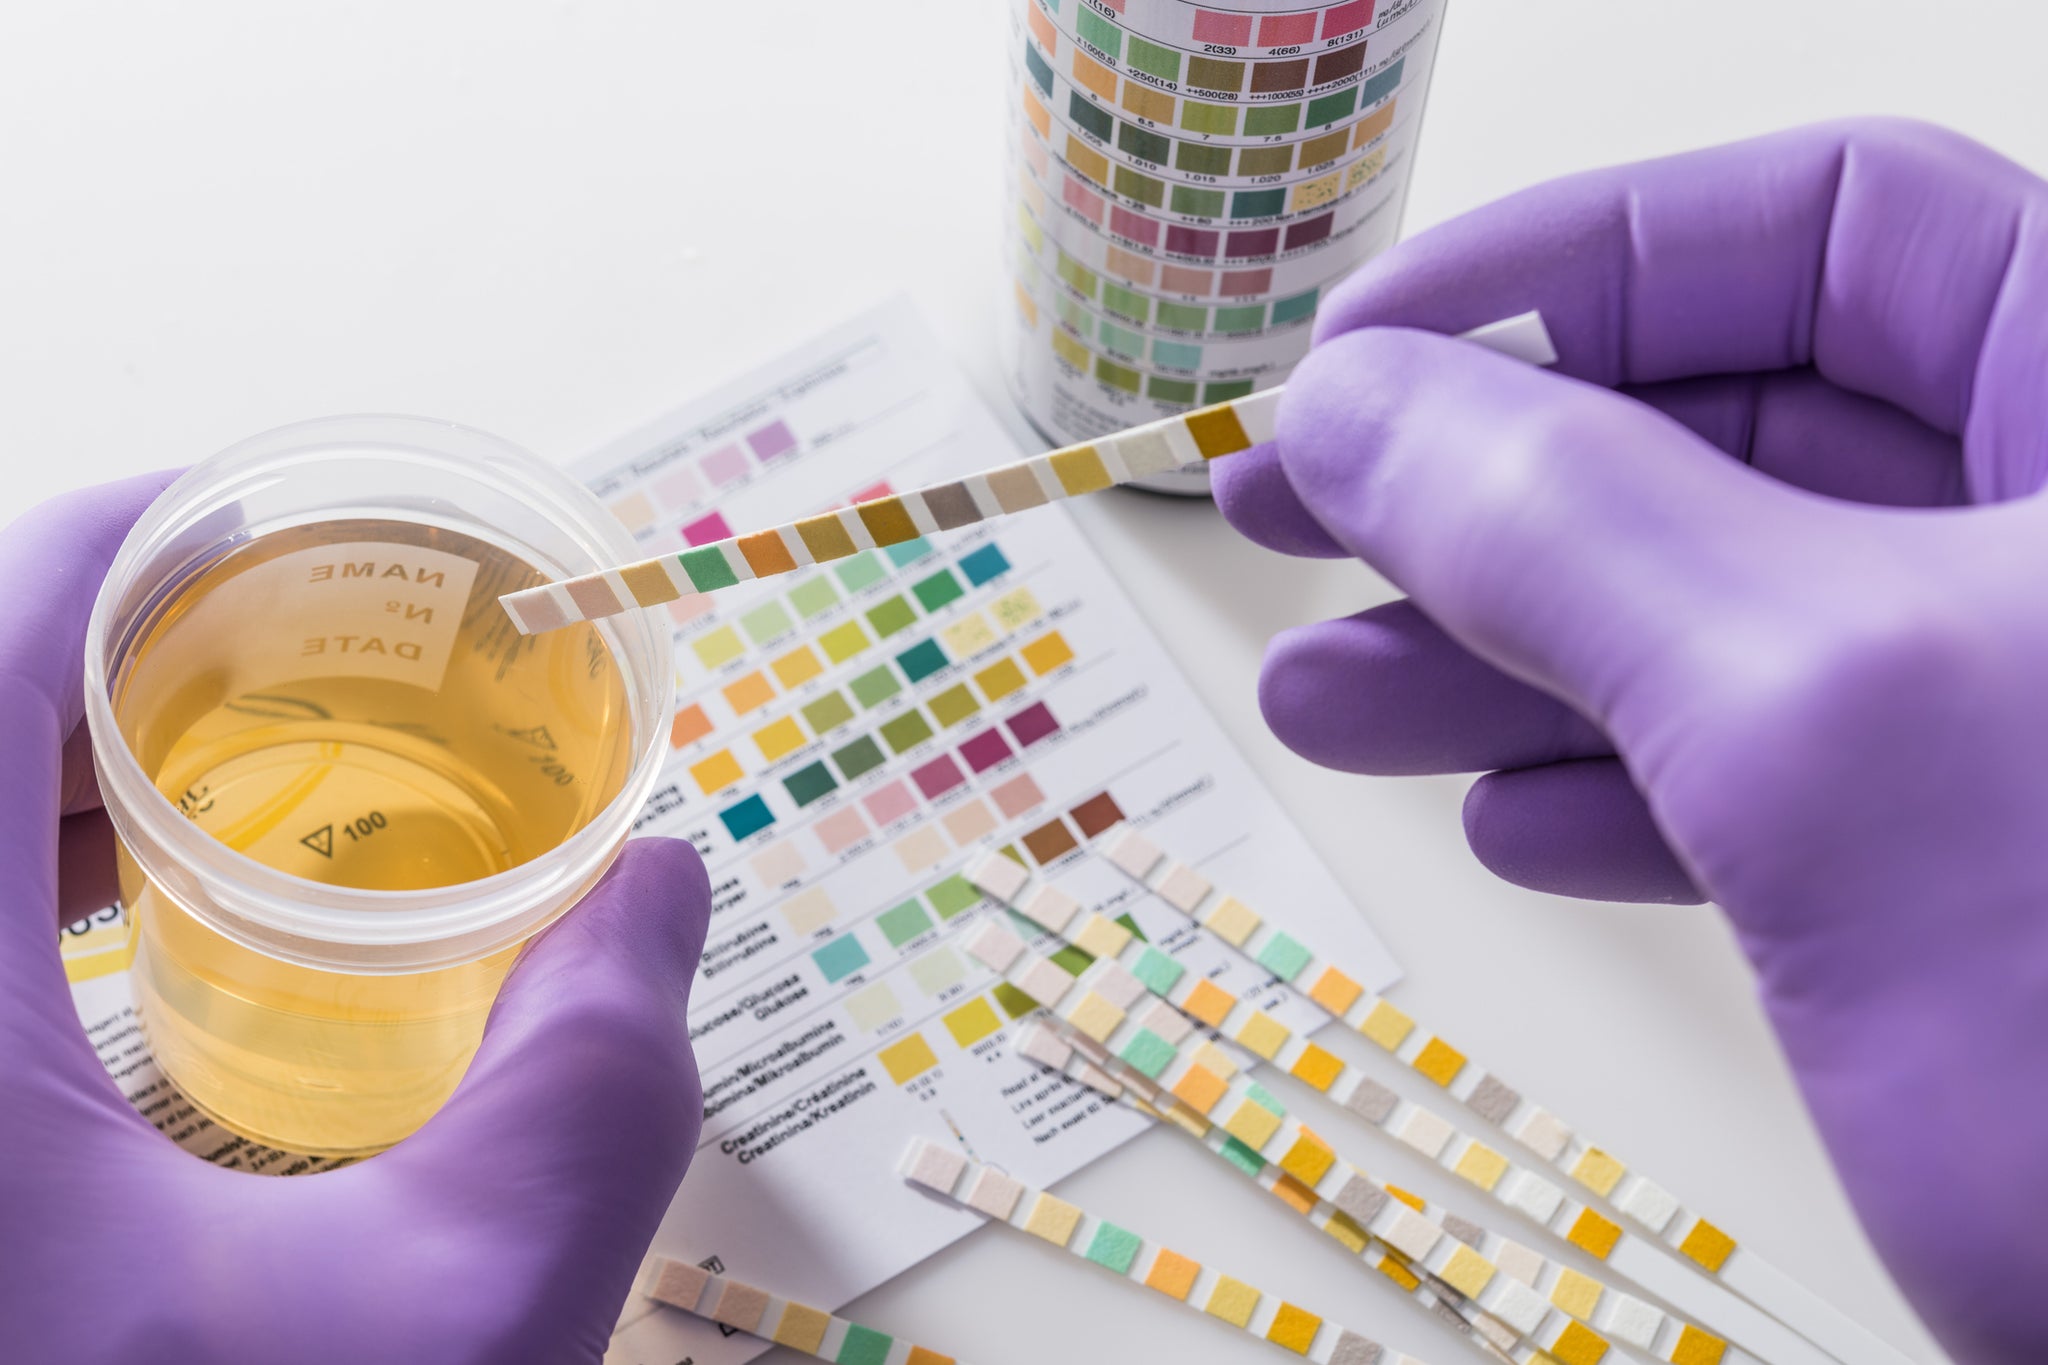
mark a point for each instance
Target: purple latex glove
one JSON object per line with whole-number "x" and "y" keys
{"x": 1749, "y": 597}
{"x": 508, "y": 1229}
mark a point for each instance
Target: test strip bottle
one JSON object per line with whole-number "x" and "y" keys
{"x": 1188, "y": 181}
{"x": 345, "y": 789}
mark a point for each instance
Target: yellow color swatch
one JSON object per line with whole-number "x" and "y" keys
{"x": 907, "y": 1060}
{"x": 1172, "y": 1274}
{"x": 1087, "y": 161}
{"x": 1015, "y": 608}
{"x": 1335, "y": 991}
{"x": 1232, "y": 921}
{"x": 1695, "y": 1347}
{"x": 999, "y": 679}
{"x": 802, "y": 1328}
{"x": 1102, "y": 937}
{"x": 1482, "y": 1166}
{"x": 1148, "y": 103}
{"x": 843, "y": 641}
{"x": 1309, "y": 1159}
{"x": 1467, "y": 1271}
{"x": 1708, "y": 1245}
{"x": 1294, "y": 1194}
{"x": 1079, "y": 470}
{"x": 1578, "y": 1345}
{"x": 717, "y": 647}
{"x": 1070, "y": 350}
{"x": 782, "y": 737}
{"x": 749, "y": 692}
{"x": 1232, "y": 1300}
{"x": 972, "y": 1022}
{"x": 1047, "y": 652}
{"x": 1577, "y": 1295}
{"x": 1263, "y": 1034}
{"x": 1391, "y": 1267}
{"x": 1310, "y": 193}
{"x": 717, "y": 772}
{"x": 1208, "y": 1002}
{"x": 1593, "y": 1234}
{"x": 1090, "y": 74}
{"x": 1439, "y": 1061}
{"x": 1095, "y": 1016}
{"x": 1294, "y": 1328}
{"x": 1387, "y": 1026}
{"x": 1598, "y": 1171}
{"x": 797, "y": 666}
{"x": 1027, "y": 307}
{"x": 1253, "y": 1124}
{"x": 1317, "y": 1067}
{"x": 968, "y": 636}
{"x": 1346, "y": 1232}
{"x": 1408, "y": 1197}
{"x": 1053, "y": 1219}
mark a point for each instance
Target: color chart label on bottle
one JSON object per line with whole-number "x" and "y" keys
{"x": 1189, "y": 182}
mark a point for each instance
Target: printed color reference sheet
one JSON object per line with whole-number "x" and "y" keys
{"x": 844, "y": 743}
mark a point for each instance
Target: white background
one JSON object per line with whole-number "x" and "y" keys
{"x": 553, "y": 220}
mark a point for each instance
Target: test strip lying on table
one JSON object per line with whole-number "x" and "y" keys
{"x": 1141, "y": 452}
{"x": 1158, "y": 1042}
{"x": 1263, "y": 1136}
{"x": 1640, "y": 1200}
{"x": 1120, "y": 1251}
{"x": 783, "y": 1321}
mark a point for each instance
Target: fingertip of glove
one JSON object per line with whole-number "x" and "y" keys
{"x": 1577, "y": 829}
{"x": 657, "y": 894}
{"x": 1254, "y": 496}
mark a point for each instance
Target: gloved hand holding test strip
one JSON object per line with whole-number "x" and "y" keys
{"x": 1191, "y": 438}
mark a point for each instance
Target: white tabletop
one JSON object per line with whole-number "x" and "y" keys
{"x": 552, "y": 220}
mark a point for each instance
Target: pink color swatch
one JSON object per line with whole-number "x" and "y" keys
{"x": 841, "y": 829}
{"x": 880, "y": 489}
{"x": 1345, "y": 19}
{"x": 1180, "y": 279}
{"x": 969, "y": 822}
{"x": 1285, "y": 30}
{"x": 724, "y": 465}
{"x": 1135, "y": 226}
{"x": 1032, "y": 724}
{"x": 1240, "y": 282}
{"x": 1211, "y": 27}
{"x": 1083, "y": 200}
{"x": 680, "y": 487}
{"x": 774, "y": 439}
{"x": 706, "y": 529}
{"x": 1016, "y": 796}
{"x": 890, "y": 804}
{"x": 687, "y": 609}
{"x": 985, "y": 750}
{"x": 942, "y": 774}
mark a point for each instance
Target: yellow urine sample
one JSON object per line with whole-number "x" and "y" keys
{"x": 346, "y": 703}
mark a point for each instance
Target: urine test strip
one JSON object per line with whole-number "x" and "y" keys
{"x": 1141, "y": 452}
{"x": 1641, "y": 1201}
{"x": 1119, "y": 1250}
{"x": 1497, "y": 1286}
{"x": 1159, "y": 1041}
{"x": 1097, "y": 1037}
{"x": 784, "y": 1321}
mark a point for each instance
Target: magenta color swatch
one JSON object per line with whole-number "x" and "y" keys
{"x": 985, "y": 750}
{"x": 1135, "y": 226}
{"x": 1342, "y": 19}
{"x": 890, "y": 804}
{"x": 841, "y": 828}
{"x": 1310, "y": 230}
{"x": 1180, "y": 279}
{"x": 706, "y": 529}
{"x": 774, "y": 439}
{"x": 1237, "y": 283}
{"x": 725, "y": 464}
{"x": 1253, "y": 242}
{"x": 1032, "y": 724}
{"x": 942, "y": 774}
{"x": 1187, "y": 241}
{"x": 1285, "y": 30}
{"x": 679, "y": 487}
{"x": 1083, "y": 200}
{"x": 1211, "y": 27}
{"x": 1016, "y": 796}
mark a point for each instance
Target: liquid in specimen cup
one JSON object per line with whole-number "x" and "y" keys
{"x": 347, "y": 703}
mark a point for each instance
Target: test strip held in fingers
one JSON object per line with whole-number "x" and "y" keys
{"x": 998, "y": 1197}
{"x": 1141, "y": 452}
{"x": 784, "y": 1321}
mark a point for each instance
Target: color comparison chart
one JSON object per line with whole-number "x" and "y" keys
{"x": 1188, "y": 181}
{"x": 847, "y": 738}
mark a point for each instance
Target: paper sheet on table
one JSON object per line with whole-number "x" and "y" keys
{"x": 834, "y": 1015}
